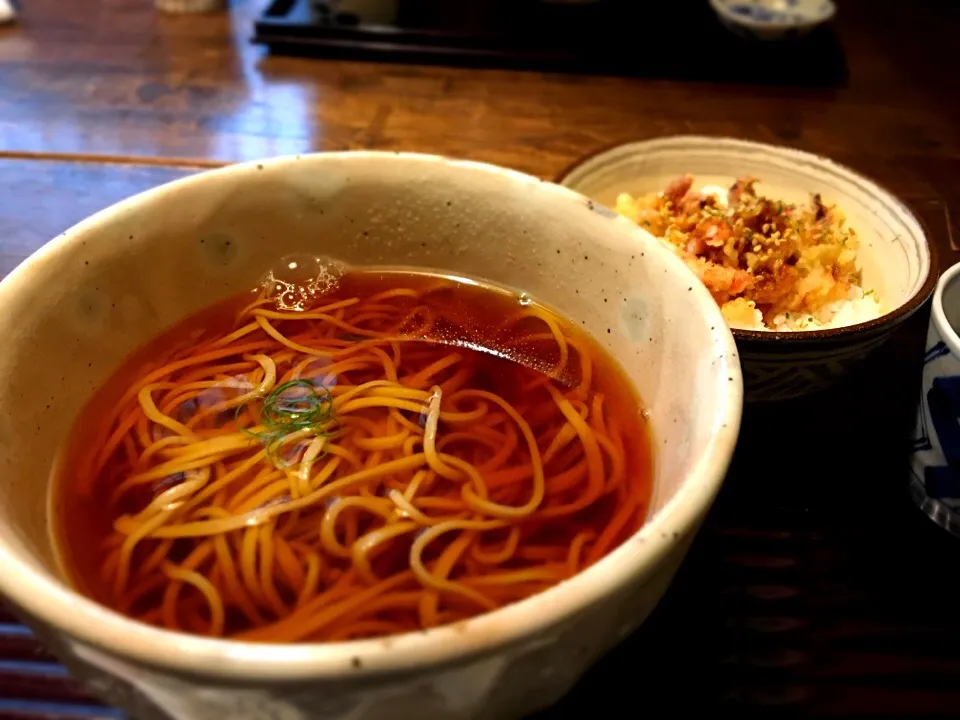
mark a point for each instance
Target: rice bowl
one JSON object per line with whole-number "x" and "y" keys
{"x": 896, "y": 262}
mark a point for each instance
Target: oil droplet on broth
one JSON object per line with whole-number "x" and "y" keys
{"x": 296, "y": 281}
{"x": 525, "y": 299}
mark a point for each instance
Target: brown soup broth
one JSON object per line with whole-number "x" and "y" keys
{"x": 239, "y": 560}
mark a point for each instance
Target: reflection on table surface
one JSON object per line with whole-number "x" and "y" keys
{"x": 816, "y": 588}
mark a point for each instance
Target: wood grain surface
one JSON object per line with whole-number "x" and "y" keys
{"x": 113, "y": 77}
{"x": 816, "y": 589}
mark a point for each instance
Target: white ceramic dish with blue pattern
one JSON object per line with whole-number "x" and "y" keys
{"x": 897, "y": 260}
{"x": 773, "y": 19}
{"x": 935, "y": 463}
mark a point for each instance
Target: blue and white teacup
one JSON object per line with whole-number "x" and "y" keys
{"x": 935, "y": 463}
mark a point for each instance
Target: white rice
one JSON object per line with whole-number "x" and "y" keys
{"x": 859, "y": 307}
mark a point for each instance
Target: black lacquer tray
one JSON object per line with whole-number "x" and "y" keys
{"x": 678, "y": 39}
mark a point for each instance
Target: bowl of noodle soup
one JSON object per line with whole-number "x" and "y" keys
{"x": 364, "y": 435}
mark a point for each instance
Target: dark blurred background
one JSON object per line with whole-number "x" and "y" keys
{"x": 676, "y": 39}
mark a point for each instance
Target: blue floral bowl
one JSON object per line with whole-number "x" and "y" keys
{"x": 773, "y": 19}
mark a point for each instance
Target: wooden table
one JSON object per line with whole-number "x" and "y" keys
{"x": 816, "y": 588}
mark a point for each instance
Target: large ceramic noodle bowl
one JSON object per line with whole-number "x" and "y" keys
{"x": 357, "y": 435}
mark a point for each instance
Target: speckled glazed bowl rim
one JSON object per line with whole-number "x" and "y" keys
{"x": 939, "y": 316}
{"x": 848, "y": 332}
{"x": 490, "y": 634}
{"x": 809, "y": 20}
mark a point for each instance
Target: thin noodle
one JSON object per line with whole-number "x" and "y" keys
{"x": 335, "y": 473}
